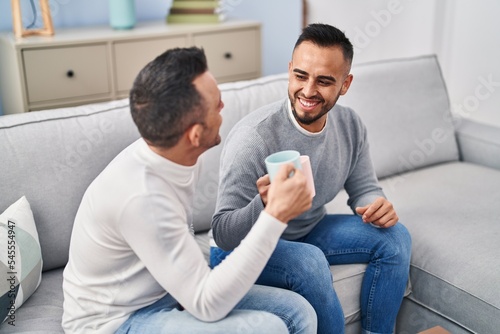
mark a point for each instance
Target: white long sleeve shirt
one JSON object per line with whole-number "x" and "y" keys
{"x": 131, "y": 244}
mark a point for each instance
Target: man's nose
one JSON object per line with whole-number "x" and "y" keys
{"x": 309, "y": 88}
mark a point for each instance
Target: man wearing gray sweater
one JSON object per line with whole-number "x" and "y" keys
{"x": 335, "y": 140}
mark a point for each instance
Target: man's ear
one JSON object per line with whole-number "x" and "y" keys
{"x": 346, "y": 84}
{"x": 194, "y": 133}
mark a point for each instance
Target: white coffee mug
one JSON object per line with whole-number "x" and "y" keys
{"x": 276, "y": 160}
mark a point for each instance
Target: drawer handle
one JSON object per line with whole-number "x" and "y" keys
{"x": 70, "y": 74}
{"x": 228, "y": 55}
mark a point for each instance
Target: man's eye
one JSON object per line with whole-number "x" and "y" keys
{"x": 325, "y": 82}
{"x": 300, "y": 77}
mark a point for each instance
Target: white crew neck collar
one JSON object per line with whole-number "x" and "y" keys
{"x": 297, "y": 125}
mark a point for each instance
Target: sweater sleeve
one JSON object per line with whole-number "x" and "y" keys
{"x": 362, "y": 185}
{"x": 238, "y": 203}
{"x": 155, "y": 228}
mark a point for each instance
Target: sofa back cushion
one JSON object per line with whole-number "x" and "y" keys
{"x": 404, "y": 104}
{"x": 51, "y": 157}
{"x": 240, "y": 98}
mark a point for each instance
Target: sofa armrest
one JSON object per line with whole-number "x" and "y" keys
{"x": 479, "y": 143}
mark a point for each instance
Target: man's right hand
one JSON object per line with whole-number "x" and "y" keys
{"x": 288, "y": 197}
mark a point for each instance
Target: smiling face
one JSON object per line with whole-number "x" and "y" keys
{"x": 317, "y": 77}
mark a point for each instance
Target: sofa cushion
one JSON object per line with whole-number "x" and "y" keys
{"x": 404, "y": 104}
{"x": 52, "y": 156}
{"x": 451, "y": 211}
{"x": 20, "y": 260}
{"x": 42, "y": 313}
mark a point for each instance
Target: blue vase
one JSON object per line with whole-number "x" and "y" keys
{"x": 122, "y": 14}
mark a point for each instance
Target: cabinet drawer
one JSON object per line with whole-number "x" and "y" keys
{"x": 66, "y": 72}
{"x": 233, "y": 54}
{"x": 132, "y": 56}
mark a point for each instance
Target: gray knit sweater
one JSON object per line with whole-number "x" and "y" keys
{"x": 339, "y": 157}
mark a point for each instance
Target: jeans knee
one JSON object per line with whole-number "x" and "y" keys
{"x": 270, "y": 324}
{"x": 303, "y": 318}
{"x": 308, "y": 321}
{"x": 405, "y": 241}
{"x": 312, "y": 264}
{"x": 397, "y": 244}
{"x": 256, "y": 322}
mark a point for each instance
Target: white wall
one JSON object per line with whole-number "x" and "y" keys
{"x": 380, "y": 29}
{"x": 464, "y": 34}
{"x": 281, "y": 25}
{"x": 472, "y": 59}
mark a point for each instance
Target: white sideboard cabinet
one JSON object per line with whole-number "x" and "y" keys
{"x": 92, "y": 64}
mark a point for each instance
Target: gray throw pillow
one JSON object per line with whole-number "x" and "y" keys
{"x": 20, "y": 258}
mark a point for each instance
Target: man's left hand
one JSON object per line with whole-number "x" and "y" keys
{"x": 380, "y": 213}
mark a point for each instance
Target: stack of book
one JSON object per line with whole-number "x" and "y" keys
{"x": 195, "y": 11}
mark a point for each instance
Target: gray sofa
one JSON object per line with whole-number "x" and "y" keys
{"x": 442, "y": 174}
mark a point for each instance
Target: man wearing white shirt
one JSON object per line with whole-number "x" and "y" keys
{"x": 134, "y": 265}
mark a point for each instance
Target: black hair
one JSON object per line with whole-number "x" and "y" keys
{"x": 163, "y": 100}
{"x": 325, "y": 35}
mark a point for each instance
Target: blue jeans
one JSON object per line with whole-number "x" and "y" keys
{"x": 303, "y": 266}
{"x": 263, "y": 310}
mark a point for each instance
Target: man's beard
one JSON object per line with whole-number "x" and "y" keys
{"x": 209, "y": 140}
{"x": 310, "y": 119}
{"x": 212, "y": 142}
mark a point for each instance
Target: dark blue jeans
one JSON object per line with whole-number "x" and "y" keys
{"x": 303, "y": 266}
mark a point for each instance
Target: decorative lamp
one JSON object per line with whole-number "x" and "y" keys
{"x": 17, "y": 24}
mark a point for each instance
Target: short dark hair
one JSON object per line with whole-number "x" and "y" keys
{"x": 325, "y": 35}
{"x": 163, "y": 100}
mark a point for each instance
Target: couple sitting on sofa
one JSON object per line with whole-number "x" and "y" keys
{"x": 134, "y": 265}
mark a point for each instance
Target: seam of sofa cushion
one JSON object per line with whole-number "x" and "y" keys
{"x": 62, "y": 117}
{"x": 350, "y": 276}
{"x": 454, "y": 285}
{"x": 410, "y": 297}
{"x": 352, "y": 317}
